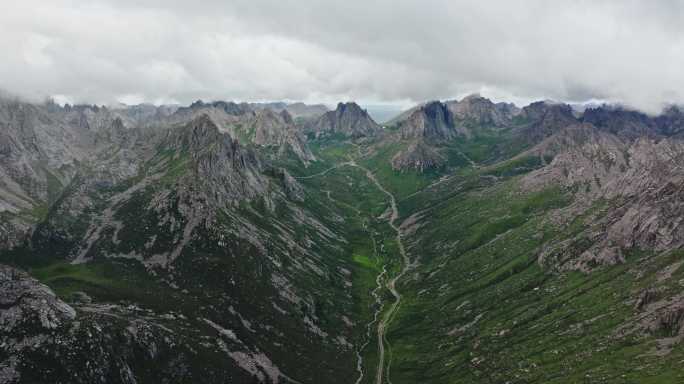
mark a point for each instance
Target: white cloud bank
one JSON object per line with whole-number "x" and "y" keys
{"x": 317, "y": 50}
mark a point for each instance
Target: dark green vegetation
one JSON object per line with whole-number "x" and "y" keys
{"x": 279, "y": 297}
{"x": 289, "y": 275}
{"x": 478, "y": 307}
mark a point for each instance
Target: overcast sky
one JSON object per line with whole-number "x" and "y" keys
{"x": 385, "y": 51}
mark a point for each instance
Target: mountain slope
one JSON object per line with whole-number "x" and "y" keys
{"x": 234, "y": 265}
{"x": 199, "y": 243}
{"x": 260, "y": 126}
{"x": 560, "y": 264}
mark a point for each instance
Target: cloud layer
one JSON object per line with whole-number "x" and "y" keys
{"x": 317, "y": 50}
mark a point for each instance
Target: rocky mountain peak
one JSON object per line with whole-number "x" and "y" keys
{"x": 431, "y": 121}
{"x": 270, "y": 126}
{"x": 219, "y": 169}
{"x": 620, "y": 121}
{"x": 540, "y": 109}
{"x": 671, "y": 121}
{"x": 546, "y": 118}
{"x": 277, "y": 129}
{"x": 349, "y": 107}
{"x": 197, "y": 135}
{"x": 287, "y": 117}
{"x": 480, "y": 110}
{"x": 348, "y": 119}
{"x": 228, "y": 107}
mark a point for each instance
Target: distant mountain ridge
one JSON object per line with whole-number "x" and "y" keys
{"x": 437, "y": 123}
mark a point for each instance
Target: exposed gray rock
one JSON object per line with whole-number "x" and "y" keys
{"x": 436, "y": 121}
{"x": 26, "y": 303}
{"x": 278, "y": 130}
{"x": 348, "y": 120}
{"x": 227, "y": 171}
{"x": 475, "y": 109}
{"x": 296, "y": 110}
{"x": 293, "y": 189}
{"x": 432, "y": 121}
{"x": 546, "y": 118}
{"x": 643, "y": 173}
{"x": 258, "y": 124}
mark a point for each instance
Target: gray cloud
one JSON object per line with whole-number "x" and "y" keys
{"x": 313, "y": 50}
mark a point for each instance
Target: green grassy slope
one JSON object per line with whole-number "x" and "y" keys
{"x": 479, "y": 308}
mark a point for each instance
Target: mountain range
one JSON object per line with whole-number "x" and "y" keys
{"x": 462, "y": 241}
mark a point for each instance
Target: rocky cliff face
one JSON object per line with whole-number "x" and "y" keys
{"x": 264, "y": 125}
{"x": 477, "y": 110}
{"x": 436, "y": 121}
{"x": 278, "y": 130}
{"x": 432, "y": 121}
{"x": 227, "y": 171}
{"x": 618, "y": 121}
{"x": 545, "y": 118}
{"x": 43, "y": 147}
{"x": 27, "y": 304}
{"x": 613, "y": 165}
{"x": 348, "y": 120}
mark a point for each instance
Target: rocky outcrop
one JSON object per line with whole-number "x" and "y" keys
{"x": 544, "y": 119}
{"x": 29, "y": 313}
{"x": 671, "y": 121}
{"x": 348, "y": 120}
{"x": 418, "y": 156}
{"x": 432, "y": 121}
{"x": 631, "y": 124}
{"x": 296, "y": 110}
{"x": 43, "y": 146}
{"x": 293, "y": 189}
{"x": 227, "y": 171}
{"x": 271, "y": 129}
{"x": 622, "y": 122}
{"x": 43, "y": 339}
{"x": 477, "y": 110}
{"x": 25, "y": 303}
{"x": 436, "y": 121}
{"x": 643, "y": 174}
{"x": 264, "y": 125}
